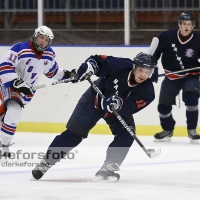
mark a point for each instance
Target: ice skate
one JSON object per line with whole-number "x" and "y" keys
{"x": 194, "y": 136}
{"x": 163, "y": 136}
{"x": 107, "y": 173}
{"x": 40, "y": 170}
{"x": 4, "y": 150}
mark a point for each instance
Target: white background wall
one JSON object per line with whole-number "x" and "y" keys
{"x": 56, "y": 103}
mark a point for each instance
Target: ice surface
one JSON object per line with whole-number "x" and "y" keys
{"x": 175, "y": 174}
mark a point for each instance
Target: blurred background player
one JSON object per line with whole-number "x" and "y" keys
{"x": 127, "y": 87}
{"x": 21, "y": 69}
{"x": 180, "y": 49}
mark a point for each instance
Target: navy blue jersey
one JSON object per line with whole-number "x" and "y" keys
{"x": 114, "y": 78}
{"x": 176, "y": 54}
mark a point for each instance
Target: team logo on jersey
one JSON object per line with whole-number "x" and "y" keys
{"x": 189, "y": 53}
{"x": 46, "y": 62}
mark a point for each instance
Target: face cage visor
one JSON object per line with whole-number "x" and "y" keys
{"x": 39, "y": 48}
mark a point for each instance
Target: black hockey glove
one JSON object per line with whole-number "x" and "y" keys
{"x": 115, "y": 101}
{"x": 87, "y": 69}
{"x": 21, "y": 86}
{"x": 154, "y": 76}
{"x": 68, "y": 74}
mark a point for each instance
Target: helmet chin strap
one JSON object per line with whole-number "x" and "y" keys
{"x": 37, "y": 47}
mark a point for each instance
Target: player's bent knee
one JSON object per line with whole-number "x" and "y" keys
{"x": 164, "y": 109}
{"x": 69, "y": 135}
{"x": 66, "y": 139}
{"x": 13, "y": 113}
{"x": 123, "y": 138}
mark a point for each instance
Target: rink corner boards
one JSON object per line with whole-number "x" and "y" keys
{"x": 98, "y": 129}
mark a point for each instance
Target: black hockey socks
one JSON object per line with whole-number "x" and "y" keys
{"x": 166, "y": 120}
{"x": 61, "y": 146}
{"x": 119, "y": 147}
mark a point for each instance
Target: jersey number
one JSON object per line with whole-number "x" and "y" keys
{"x": 140, "y": 103}
{"x": 12, "y": 58}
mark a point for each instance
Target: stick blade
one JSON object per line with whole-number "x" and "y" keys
{"x": 152, "y": 153}
{"x": 153, "y": 45}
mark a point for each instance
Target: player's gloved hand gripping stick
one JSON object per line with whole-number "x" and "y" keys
{"x": 152, "y": 153}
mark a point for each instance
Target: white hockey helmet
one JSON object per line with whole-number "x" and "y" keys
{"x": 42, "y": 30}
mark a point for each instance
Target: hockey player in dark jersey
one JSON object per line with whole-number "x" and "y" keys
{"x": 126, "y": 85}
{"x": 180, "y": 49}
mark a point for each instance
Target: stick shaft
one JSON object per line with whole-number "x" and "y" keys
{"x": 54, "y": 83}
{"x": 153, "y": 45}
{"x": 177, "y": 72}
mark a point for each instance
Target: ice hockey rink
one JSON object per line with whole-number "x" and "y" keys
{"x": 175, "y": 174}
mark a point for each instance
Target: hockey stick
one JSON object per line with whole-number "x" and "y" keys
{"x": 152, "y": 153}
{"x": 153, "y": 45}
{"x": 54, "y": 83}
{"x": 177, "y": 72}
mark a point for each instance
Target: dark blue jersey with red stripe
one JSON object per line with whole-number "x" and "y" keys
{"x": 176, "y": 54}
{"x": 114, "y": 73}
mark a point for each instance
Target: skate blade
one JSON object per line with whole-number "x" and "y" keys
{"x": 194, "y": 141}
{"x": 98, "y": 178}
{"x": 112, "y": 179}
{"x": 167, "y": 139}
{"x": 109, "y": 179}
{"x": 33, "y": 179}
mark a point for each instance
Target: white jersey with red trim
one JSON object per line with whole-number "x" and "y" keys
{"x": 22, "y": 61}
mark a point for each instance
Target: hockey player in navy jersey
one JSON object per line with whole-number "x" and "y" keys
{"x": 180, "y": 49}
{"x": 21, "y": 69}
{"x": 127, "y": 87}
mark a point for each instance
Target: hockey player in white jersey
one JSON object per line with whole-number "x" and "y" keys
{"x": 20, "y": 70}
